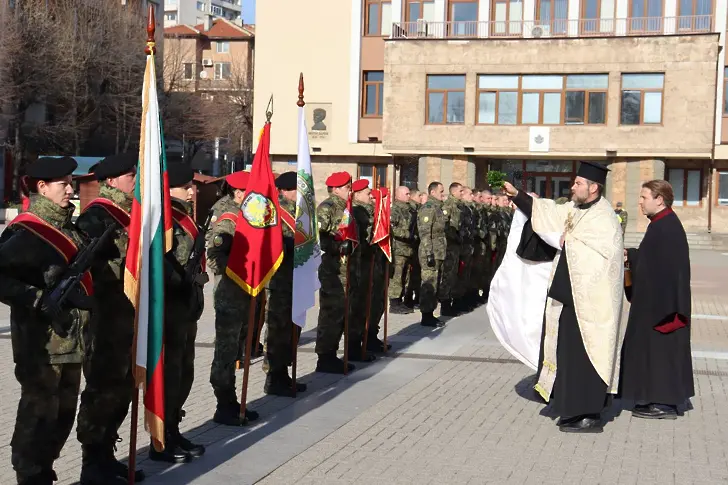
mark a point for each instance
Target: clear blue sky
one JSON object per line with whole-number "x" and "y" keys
{"x": 249, "y": 11}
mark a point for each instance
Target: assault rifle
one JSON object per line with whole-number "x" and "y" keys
{"x": 193, "y": 267}
{"x": 71, "y": 279}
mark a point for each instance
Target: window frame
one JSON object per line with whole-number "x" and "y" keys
{"x": 421, "y": 3}
{"x": 184, "y": 71}
{"x": 376, "y": 182}
{"x": 683, "y": 198}
{"x": 507, "y": 22}
{"x": 553, "y": 20}
{"x": 718, "y": 173}
{"x": 367, "y": 20}
{"x": 379, "y": 95}
{"x": 646, "y": 22}
{"x": 224, "y": 44}
{"x": 586, "y": 22}
{"x": 725, "y": 92}
{"x": 520, "y": 91}
{"x": 221, "y": 78}
{"x": 694, "y": 18}
{"x": 642, "y": 99}
{"x": 444, "y": 100}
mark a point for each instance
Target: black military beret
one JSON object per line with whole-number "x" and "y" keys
{"x": 49, "y": 168}
{"x": 116, "y": 165}
{"x": 287, "y": 181}
{"x": 179, "y": 174}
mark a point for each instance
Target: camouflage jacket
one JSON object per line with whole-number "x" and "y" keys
{"x": 431, "y": 225}
{"x": 494, "y": 224}
{"x": 283, "y": 278}
{"x": 108, "y": 267}
{"x": 468, "y": 222}
{"x": 183, "y": 300}
{"x": 403, "y": 224}
{"x": 453, "y": 216}
{"x": 28, "y": 265}
{"x": 330, "y": 214}
{"x": 219, "y": 238}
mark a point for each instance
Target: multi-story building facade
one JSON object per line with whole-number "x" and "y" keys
{"x": 423, "y": 90}
{"x": 193, "y": 12}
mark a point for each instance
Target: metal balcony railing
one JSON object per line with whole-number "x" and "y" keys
{"x": 633, "y": 26}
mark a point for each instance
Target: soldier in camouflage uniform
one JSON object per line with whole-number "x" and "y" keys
{"x": 107, "y": 364}
{"x": 369, "y": 269}
{"x": 333, "y": 216}
{"x": 479, "y": 231}
{"x": 183, "y": 305}
{"x": 504, "y": 217}
{"x": 486, "y": 211}
{"x": 432, "y": 225}
{"x": 403, "y": 224}
{"x": 412, "y": 277}
{"x": 46, "y": 338}
{"x": 468, "y": 222}
{"x": 453, "y": 215}
{"x": 231, "y": 307}
{"x": 279, "y": 292}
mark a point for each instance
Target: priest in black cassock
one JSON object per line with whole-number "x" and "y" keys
{"x": 657, "y": 370}
{"x": 581, "y": 339}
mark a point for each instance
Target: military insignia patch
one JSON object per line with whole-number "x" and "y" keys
{"x": 259, "y": 211}
{"x": 427, "y": 219}
{"x": 217, "y": 241}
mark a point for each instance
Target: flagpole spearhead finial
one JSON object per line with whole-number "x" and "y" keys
{"x": 301, "y": 103}
{"x": 150, "y": 49}
{"x": 269, "y": 110}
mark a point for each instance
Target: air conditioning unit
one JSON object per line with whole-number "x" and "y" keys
{"x": 540, "y": 31}
{"x": 207, "y": 62}
{"x": 421, "y": 28}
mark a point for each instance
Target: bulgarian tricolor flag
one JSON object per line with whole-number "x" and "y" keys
{"x": 150, "y": 237}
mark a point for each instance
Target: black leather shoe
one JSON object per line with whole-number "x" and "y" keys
{"x": 172, "y": 454}
{"x": 331, "y": 364}
{"x": 655, "y": 411}
{"x": 581, "y": 424}
{"x": 192, "y": 449}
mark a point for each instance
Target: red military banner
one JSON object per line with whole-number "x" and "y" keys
{"x": 382, "y": 211}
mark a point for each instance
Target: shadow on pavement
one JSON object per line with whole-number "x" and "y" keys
{"x": 228, "y": 442}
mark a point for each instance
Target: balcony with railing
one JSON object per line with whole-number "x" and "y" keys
{"x": 633, "y": 26}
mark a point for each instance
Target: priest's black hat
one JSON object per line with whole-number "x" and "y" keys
{"x": 116, "y": 165}
{"x": 594, "y": 172}
{"x": 50, "y": 168}
{"x": 179, "y": 175}
{"x": 287, "y": 181}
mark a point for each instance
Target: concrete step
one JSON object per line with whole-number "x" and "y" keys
{"x": 701, "y": 241}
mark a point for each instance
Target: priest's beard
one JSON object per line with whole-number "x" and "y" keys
{"x": 578, "y": 199}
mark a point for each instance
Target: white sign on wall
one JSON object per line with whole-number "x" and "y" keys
{"x": 539, "y": 138}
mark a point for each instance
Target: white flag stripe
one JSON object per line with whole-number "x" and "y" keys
{"x": 151, "y": 210}
{"x": 305, "y": 277}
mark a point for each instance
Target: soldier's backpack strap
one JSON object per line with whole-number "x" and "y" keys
{"x": 120, "y": 215}
{"x": 63, "y": 244}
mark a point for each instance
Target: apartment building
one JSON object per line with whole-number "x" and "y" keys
{"x": 193, "y": 12}
{"x": 423, "y": 90}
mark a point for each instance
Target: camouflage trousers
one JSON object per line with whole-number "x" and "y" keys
{"x": 231, "y": 325}
{"x": 332, "y": 302}
{"x": 400, "y": 268}
{"x": 46, "y": 412}
{"x": 362, "y": 296}
{"x": 179, "y": 367}
{"x": 109, "y": 382}
{"x": 450, "y": 267}
{"x": 431, "y": 290}
{"x": 278, "y": 332}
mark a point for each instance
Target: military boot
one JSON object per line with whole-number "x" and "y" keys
{"x": 97, "y": 466}
{"x": 397, "y": 307}
{"x": 331, "y": 364}
{"x": 279, "y": 383}
{"x": 193, "y": 450}
{"x": 447, "y": 310}
{"x": 172, "y": 452}
{"x": 430, "y": 320}
{"x": 228, "y": 409}
{"x": 355, "y": 354}
{"x": 376, "y": 345}
{"x": 46, "y": 477}
{"x": 120, "y": 468}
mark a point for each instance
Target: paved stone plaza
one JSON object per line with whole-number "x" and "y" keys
{"x": 447, "y": 406}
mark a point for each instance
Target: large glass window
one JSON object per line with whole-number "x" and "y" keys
{"x": 687, "y": 186}
{"x": 445, "y": 99}
{"x": 642, "y": 99}
{"x": 373, "y": 96}
{"x": 378, "y": 17}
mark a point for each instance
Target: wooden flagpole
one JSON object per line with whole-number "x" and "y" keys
{"x": 149, "y": 50}
{"x": 261, "y": 321}
{"x": 246, "y": 358}
{"x": 386, "y": 272}
{"x": 294, "y": 328}
{"x": 369, "y": 310}
{"x": 346, "y": 318}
